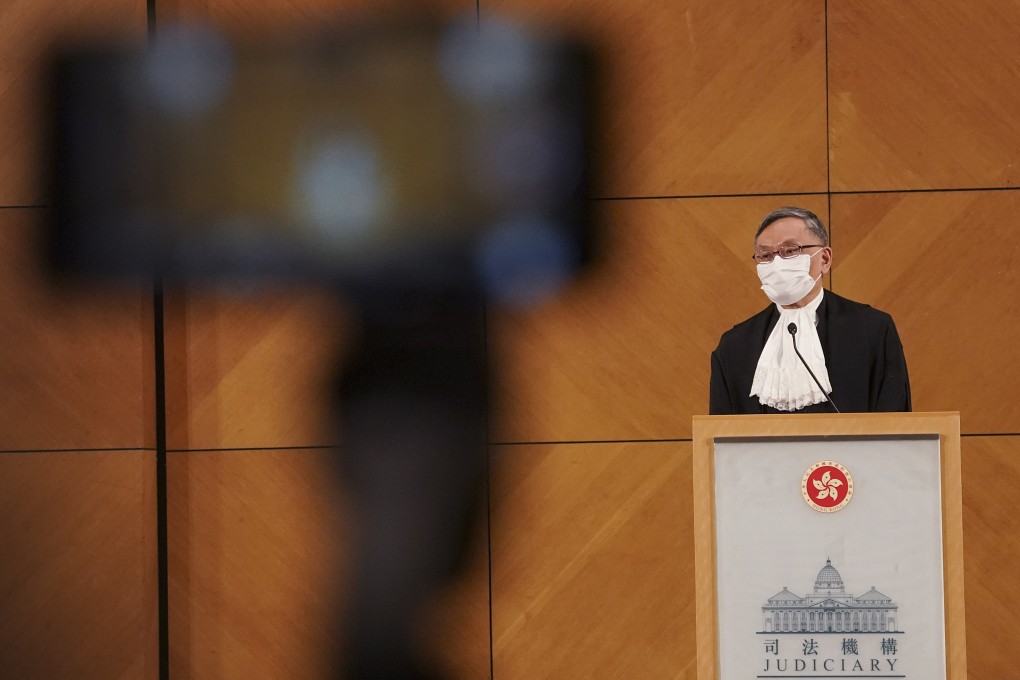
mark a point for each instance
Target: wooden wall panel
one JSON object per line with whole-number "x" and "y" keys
{"x": 77, "y": 529}
{"x": 704, "y": 96}
{"x": 922, "y": 95}
{"x": 456, "y": 628}
{"x": 944, "y": 265}
{"x": 78, "y": 567}
{"x": 580, "y": 532}
{"x": 251, "y": 369}
{"x": 248, "y": 370}
{"x": 255, "y": 561}
{"x": 258, "y": 565}
{"x": 75, "y": 361}
{"x": 592, "y": 569}
{"x": 991, "y": 470}
{"x": 625, "y": 355}
{"x": 254, "y": 564}
{"x": 591, "y": 543}
{"x": 28, "y": 29}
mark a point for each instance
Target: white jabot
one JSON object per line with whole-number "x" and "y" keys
{"x": 781, "y": 381}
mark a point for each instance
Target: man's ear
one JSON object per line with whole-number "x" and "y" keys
{"x": 826, "y": 256}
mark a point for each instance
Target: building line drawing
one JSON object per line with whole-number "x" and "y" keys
{"x": 829, "y": 609}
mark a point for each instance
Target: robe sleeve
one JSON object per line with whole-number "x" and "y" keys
{"x": 720, "y": 398}
{"x": 894, "y": 385}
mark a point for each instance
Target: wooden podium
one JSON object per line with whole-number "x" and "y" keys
{"x": 853, "y": 497}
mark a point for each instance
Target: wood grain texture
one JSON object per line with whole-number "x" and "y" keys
{"x": 705, "y": 563}
{"x": 252, "y": 368}
{"x": 991, "y": 470}
{"x": 625, "y": 354}
{"x": 703, "y": 96}
{"x": 255, "y": 564}
{"x": 592, "y": 575}
{"x": 28, "y": 30}
{"x": 76, "y": 368}
{"x": 953, "y": 570}
{"x": 258, "y": 566}
{"x": 943, "y": 264}
{"x": 455, "y": 628}
{"x": 922, "y": 95}
{"x": 78, "y": 572}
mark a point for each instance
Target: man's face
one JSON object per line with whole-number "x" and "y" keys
{"x": 789, "y": 230}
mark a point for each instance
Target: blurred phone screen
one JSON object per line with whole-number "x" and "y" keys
{"x": 418, "y": 151}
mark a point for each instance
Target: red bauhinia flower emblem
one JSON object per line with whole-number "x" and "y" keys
{"x": 827, "y": 486}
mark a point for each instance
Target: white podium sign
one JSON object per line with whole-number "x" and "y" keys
{"x": 828, "y": 555}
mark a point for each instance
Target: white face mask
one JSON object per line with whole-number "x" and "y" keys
{"x": 787, "y": 281}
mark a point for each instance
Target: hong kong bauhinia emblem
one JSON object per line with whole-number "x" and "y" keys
{"x": 827, "y": 486}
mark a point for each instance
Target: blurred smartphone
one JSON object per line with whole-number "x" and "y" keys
{"x": 416, "y": 151}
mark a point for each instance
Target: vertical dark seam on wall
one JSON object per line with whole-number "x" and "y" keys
{"x": 490, "y": 381}
{"x": 489, "y": 458}
{"x": 828, "y": 145}
{"x": 162, "y": 562}
{"x": 162, "y": 550}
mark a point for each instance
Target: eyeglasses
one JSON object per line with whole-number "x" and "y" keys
{"x": 785, "y": 251}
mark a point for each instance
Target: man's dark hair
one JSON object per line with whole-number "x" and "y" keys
{"x": 810, "y": 220}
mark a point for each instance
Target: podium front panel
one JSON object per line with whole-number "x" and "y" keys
{"x": 806, "y": 588}
{"x": 828, "y": 555}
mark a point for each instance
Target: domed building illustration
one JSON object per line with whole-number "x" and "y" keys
{"x": 829, "y": 609}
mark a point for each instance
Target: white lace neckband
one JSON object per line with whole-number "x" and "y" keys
{"x": 780, "y": 379}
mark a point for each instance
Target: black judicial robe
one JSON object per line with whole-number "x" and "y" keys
{"x": 863, "y": 355}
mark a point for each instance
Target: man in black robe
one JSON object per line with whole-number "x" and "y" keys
{"x": 863, "y": 356}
